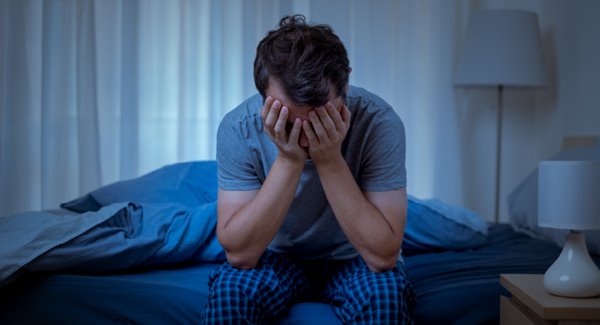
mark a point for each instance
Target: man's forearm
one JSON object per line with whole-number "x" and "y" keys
{"x": 249, "y": 231}
{"x": 365, "y": 226}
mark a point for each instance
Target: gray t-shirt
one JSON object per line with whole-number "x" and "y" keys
{"x": 374, "y": 150}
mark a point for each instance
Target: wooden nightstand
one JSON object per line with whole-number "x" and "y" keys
{"x": 530, "y": 303}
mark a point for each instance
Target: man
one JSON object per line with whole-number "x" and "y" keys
{"x": 312, "y": 198}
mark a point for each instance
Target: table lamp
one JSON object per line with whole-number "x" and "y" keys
{"x": 502, "y": 48}
{"x": 569, "y": 198}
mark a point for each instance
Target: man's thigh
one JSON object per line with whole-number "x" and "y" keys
{"x": 360, "y": 295}
{"x": 272, "y": 286}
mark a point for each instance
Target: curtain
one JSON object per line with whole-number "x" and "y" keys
{"x": 92, "y": 92}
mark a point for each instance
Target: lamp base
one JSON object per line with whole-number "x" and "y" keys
{"x": 574, "y": 273}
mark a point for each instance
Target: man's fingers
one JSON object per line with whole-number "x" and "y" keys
{"x": 336, "y": 116}
{"x": 317, "y": 126}
{"x": 310, "y": 133}
{"x": 295, "y": 132}
{"x": 346, "y": 115}
{"x": 266, "y": 107}
{"x": 279, "y": 128}
{"x": 273, "y": 115}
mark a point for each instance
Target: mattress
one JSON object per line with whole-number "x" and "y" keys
{"x": 452, "y": 287}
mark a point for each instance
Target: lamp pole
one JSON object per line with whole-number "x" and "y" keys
{"x": 498, "y": 154}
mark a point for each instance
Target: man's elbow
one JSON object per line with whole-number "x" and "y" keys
{"x": 238, "y": 256}
{"x": 381, "y": 267}
{"x": 241, "y": 261}
{"x": 382, "y": 264}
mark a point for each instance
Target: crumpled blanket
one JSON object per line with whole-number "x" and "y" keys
{"x": 117, "y": 237}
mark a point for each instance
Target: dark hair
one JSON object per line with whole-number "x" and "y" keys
{"x": 305, "y": 58}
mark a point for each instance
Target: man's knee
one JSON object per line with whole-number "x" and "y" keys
{"x": 387, "y": 297}
{"x": 250, "y": 284}
{"x": 270, "y": 286}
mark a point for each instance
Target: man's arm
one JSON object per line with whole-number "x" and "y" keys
{"x": 249, "y": 220}
{"x": 374, "y": 221}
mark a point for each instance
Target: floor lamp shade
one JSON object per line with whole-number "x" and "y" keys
{"x": 568, "y": 198}
{"x": 501, "y": 47}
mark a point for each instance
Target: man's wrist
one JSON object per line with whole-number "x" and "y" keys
{"x": 330, "y": 164}
{"x": 294, "y": 165}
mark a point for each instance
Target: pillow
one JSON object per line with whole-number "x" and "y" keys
{"x": 433, "y": 225}
{"x": 188, "y": 184}
{"x": 523, "y": 204}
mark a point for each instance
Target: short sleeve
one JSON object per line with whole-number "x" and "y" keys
{"x": 236, "y": 171}
{"x": 384, "y": 163}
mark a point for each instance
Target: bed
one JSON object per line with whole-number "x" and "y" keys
{"x": 452, "y": 287}
{"x": 140, "y": 251}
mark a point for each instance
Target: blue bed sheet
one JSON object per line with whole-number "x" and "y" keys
{"x": 452, "y": 287}
{"x": 174, "y": 295}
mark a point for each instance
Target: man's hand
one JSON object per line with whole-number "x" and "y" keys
{"x": 274, "y": 117}
{"x": 326, "y": 131}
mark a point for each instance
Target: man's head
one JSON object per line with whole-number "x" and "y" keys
{"x": 305, "y": 60}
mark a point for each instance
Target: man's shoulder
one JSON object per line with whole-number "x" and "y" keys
{"x": 249, "y": 108}
{"x": 363, "y": 103}
{"x": 361, "y": 94}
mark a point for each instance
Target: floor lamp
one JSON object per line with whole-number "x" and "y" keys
{"x": 502, "y": 48}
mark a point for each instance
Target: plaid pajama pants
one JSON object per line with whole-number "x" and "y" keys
{"x": 356, "y": 294}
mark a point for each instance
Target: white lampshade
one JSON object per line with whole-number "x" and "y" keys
{"x": 569, "y": 194}
{"x": 569, "y": 198}
{"x": 501, "y": 47}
